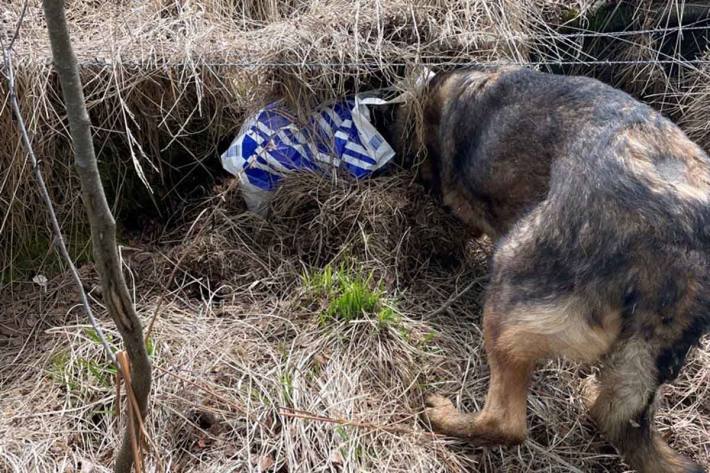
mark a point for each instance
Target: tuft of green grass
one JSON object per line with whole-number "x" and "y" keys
{"x": 150, "y": 347}
{"x": 78, "y": 373}
{"x": 92, "y": 335}
{"x": 102, "y": 373}
{"x": 287, "y": 385}
{"x": 350, "y": 295}
{"x": 60, "y": 372}
{"x": 387, "y": 317}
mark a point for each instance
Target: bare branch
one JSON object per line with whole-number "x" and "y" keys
{"x": 103, "y": 226}
{"x": 17, "y": 29}
{"x": 58, "y": 237}
{"x": 19, "y": 23}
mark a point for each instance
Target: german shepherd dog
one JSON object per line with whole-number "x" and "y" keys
{"x": 600, "y": 211}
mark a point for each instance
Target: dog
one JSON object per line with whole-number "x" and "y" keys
{"x": 599, "y": 208}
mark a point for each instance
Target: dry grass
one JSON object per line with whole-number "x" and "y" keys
{"x": 165, "y": 81}
{"x": 242, "y": 349}
{"x": 168, "y": 80}
{"x": 242, "y": 324}
{"x": 694, "y": 108}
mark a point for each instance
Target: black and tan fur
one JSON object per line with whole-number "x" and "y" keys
{"x": 600, "y": 209}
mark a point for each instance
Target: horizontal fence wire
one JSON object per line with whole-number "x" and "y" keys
{"x": 112, "y": 58}
{"x": 374, "y": 64}
{"x": 701, "y": 25}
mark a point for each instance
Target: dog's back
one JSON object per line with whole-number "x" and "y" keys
{"x": 601, "y": 212}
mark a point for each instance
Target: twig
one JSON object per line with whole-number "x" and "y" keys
{"x": 17, "y": 27}
{"x": 393, "y": 429}
{"x": 103, "y": 226}
{"x": 134, "y": 416}
{"x": 121, "y": 368}
{"x": 455, "y": 297}
{"x": 131, "y": 413}
{"x": 59, "y": 241}
{"x": 58, "y": 238}
{"x": 228, "y": 402}
{"x": 301, "y": 414}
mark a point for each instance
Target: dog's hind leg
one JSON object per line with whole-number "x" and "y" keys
{"x": 515, "y": 340}
{"x": 520, "y": 330}
{"x": 624, "y": 411}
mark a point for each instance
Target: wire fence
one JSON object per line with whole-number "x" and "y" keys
{"x": 154, "y": 58}
{"x": 196, "y": 62}
{"x": 225, "y": 59}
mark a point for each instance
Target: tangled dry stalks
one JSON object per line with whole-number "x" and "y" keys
{"x": 250, "y": 376}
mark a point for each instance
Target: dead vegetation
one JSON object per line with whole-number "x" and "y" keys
{"x": 167, "y": 81}
{"x": 256, "y": 348}
{"x": 278, "y": 335}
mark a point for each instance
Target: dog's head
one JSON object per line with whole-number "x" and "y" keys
{"x": 402, "y": 124}
{"x": 412, "y": 126}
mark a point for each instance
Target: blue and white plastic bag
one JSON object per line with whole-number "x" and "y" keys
{"x": 271, "y": 145}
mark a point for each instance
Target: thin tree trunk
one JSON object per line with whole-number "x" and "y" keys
{"x": 103, "y": 227}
